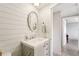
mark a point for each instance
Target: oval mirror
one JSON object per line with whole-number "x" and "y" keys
{"x": 32, "y": 21}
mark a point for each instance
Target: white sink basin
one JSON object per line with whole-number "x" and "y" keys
{"x": 34, "y": 42}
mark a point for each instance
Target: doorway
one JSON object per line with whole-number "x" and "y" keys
{"x": 70, "y": 36}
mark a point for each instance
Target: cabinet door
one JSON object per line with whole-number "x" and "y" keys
{"x": 39, "y": 51}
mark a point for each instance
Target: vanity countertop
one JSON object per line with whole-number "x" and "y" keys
{"x": 34, "y": 42}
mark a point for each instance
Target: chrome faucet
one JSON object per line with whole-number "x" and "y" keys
{"x": 31, "y": 37}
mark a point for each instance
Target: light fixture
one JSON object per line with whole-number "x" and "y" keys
{"x": 36, "y": 4}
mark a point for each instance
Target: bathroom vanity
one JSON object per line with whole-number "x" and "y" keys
{"x": 35, "y": 47}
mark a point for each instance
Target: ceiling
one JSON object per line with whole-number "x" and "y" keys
{"x": 67, "y": 9}
{"x": 42, "y": 5}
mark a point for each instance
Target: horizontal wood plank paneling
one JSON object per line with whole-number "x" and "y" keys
{"x": 13, "y": 25}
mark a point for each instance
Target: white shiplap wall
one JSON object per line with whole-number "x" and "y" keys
{"x": 13, "y": 24}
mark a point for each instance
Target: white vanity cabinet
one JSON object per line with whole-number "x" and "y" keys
{"x": 46, "y": 48}
{"x": 36, "y": 47}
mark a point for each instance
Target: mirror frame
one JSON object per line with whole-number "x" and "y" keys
{"x": 28, "y": 20}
